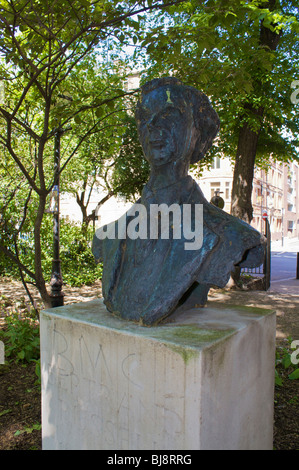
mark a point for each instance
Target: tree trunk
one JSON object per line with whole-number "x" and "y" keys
{"x": 242, "y": 182}
{"x": 241, "y": 205}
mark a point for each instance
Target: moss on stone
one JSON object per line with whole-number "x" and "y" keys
{"x": 187, "y": 340}
{"x": 186, "y": 353}
{"x": 250, "y": 310}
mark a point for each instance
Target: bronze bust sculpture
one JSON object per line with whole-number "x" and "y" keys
{"x": 146, "y": 277}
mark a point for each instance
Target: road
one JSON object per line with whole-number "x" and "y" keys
{"x": 283, "y": 265}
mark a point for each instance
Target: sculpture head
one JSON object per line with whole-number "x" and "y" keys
{"x": 175, "y": 122}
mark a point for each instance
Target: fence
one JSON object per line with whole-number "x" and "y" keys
{"x": 264, "y": 269}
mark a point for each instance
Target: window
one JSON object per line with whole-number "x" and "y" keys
{"x": 227, "y": 190}
{"x": 290, "y": 226}
{"x": 216, "y": 163}
{"x": 290, "y": 207}
{"x": 214, "y": 187}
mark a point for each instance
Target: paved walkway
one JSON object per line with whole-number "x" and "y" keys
{"x": 290, "y": 245}
{"x": 285, "y": 286}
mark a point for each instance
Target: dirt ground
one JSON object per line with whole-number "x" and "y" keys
{"x": 20, "y": 404}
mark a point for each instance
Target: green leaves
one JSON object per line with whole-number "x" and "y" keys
{"x": 221, "y": 51}
{"x": 130, "y": 170}
{"x": 28, "y": 430}
{"x": 78, "y": 119}
{"x": 286, "y": 363}
{"x": 294, "y": 375}
{"x": 21, "y": 338}
{"x": 99, "y": 112}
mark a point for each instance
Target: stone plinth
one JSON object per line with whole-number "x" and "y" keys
{"x": 203, "y": 380}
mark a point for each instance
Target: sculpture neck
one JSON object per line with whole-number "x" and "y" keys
{"x": 169, "y": 193}
{"x": 167, "y": 175}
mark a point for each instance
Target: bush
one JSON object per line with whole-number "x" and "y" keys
{"x": 77, "y": 262}
{"x": 21, "y": 337}
{"x": 20, "y": 334}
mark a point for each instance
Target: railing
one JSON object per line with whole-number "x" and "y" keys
{"x": 265, "y": 268}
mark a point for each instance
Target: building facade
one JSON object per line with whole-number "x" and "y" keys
{"x": 275, "y": 193}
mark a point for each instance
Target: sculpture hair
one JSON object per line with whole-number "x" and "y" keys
{"x": 205, "y": 118}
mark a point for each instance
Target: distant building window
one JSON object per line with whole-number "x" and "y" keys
{"x": 290, "y": 226}
{"x": 290, "y": 207}
{"x": 216, "y": 163}
{"x": 214, "y": 187}
{"x": 227, "y": 190}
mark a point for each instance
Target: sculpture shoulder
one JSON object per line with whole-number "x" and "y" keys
{"x": 222, "y": 222}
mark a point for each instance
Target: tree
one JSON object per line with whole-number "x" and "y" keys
{"x": 95, "y": 156}
{"x": 244, "y": 56}
{"x": 39, "y": 48}
{"x": 130, "y": 168}
{"x": 254, "y": 113}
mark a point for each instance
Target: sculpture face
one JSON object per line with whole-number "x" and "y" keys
{"x": 165, "y": 127}
{"x": 159, "y": 138}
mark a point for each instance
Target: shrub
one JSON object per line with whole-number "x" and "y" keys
{"x": 21, "y": 337}
{"x": 77, "y": 262}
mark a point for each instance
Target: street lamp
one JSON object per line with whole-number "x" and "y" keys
{"x": 57, "y": 296}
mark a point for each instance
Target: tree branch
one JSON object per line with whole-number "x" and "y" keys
{"x": 18, "y": 161}
{"x": 26, "y": 127}
{"x": 98, "y": 105}
{"x": 89, "y": 132}
{"x": 11, "y": 256}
